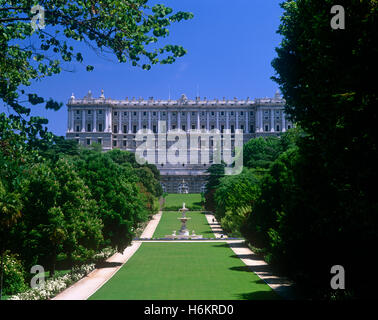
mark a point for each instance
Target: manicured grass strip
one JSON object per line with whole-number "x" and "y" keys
{"x": 174, "y": 201}
{"x": 166, "y": 271}
{"x": 169, "y": 222}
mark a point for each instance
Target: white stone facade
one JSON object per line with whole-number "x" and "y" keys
{"x": 114, "y": 123}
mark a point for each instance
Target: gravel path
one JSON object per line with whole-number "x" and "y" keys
{"x": 281, "y": 285}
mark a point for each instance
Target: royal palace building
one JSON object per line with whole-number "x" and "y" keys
{"x": 116, "y": 123}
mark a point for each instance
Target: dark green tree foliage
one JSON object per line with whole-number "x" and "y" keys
{"x": 261, "y": 152}
{"x": 58, "y": 147}
{"x": 216, "y": 172}
{"x": 327, "y": 212}
{"x": 278, "y": 190}
{"x": 148, "y": 174}
{"x": 147, "y": 178}
{"x": 59, "y": 217}
{"x": 258, "y": 156}
{"x": 61, "y": 212}
{"x": 234, "y": 198}
{"x": 114, "y": 187}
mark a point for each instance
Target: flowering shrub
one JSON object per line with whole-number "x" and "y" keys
{"x": 54, "y": 286}
{"x": 14, "y": 275}
{"x": 103, "y": 255}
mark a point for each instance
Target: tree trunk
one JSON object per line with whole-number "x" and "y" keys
{"x": 52, "y": 271}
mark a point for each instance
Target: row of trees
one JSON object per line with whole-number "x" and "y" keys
{"x": 233, "y": 198}
{"x": 60, "y": 211}
{"x": 315, "y": 206}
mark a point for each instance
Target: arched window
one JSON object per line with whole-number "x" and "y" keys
{"x": 183, "y": 187}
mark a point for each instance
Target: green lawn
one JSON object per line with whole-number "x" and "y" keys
{"x": 169, "y": 223}
{"x": 203, "y": 271}
{"x": 174, "y": 201}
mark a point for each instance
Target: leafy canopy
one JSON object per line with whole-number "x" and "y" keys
{"x": 128, "y": 29}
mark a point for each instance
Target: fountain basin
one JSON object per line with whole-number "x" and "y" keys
{"x": 180, "y": 236}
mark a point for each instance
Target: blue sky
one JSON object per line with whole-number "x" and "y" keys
{"x": 230, "y": 48}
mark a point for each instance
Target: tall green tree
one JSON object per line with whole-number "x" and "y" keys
{"x": 115, "y": 189}
{"x": 234, "y": 198}
{"x": 59, "y": 217}
{"x": 325, "y": 75}
{"x": 10, "y": 212}
{"x": 261, "y": 152}
{"x": 216, "y": 172}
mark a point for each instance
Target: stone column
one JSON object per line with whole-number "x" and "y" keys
{"x": 246, "y": 122}
{"x": 237, "y": 120}
{"x": 272, "y": 120}
{"x": 119, "y": 122}
{"x": 179, "y": 120}
{"x": 94, "y": 120}
{"x": 207, "y": 121}
{"x": 69, "y": 120}
{"x": 83, "y": 121}
{"x": 72, "y": 120}
{"x": 149, "y": 120}
{"x": 139, "y": 120}
{"x": 261, "y": 123}
{"x": 188, "y": 121}
{"x": 169, "y": 120}
{"x": 227, "y": 120}
{"x": 283, "y": 122}
{"x": 257, "y": 120}
{"x": 107, "y": 120}
{"x": 110, "y": 129}
{"x": 198, "y": 121}
{"x": 218, "y": 120}
{"x": 130, "y": 122}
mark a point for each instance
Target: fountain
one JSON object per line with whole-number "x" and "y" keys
{"x": 184, "y": 232}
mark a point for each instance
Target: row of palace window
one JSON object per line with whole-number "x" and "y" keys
{"x": 88, "y": 141}
{"x": 124, "y": 142}
{"x": 115, "y": 113}
{"x": 154, "y": 128}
